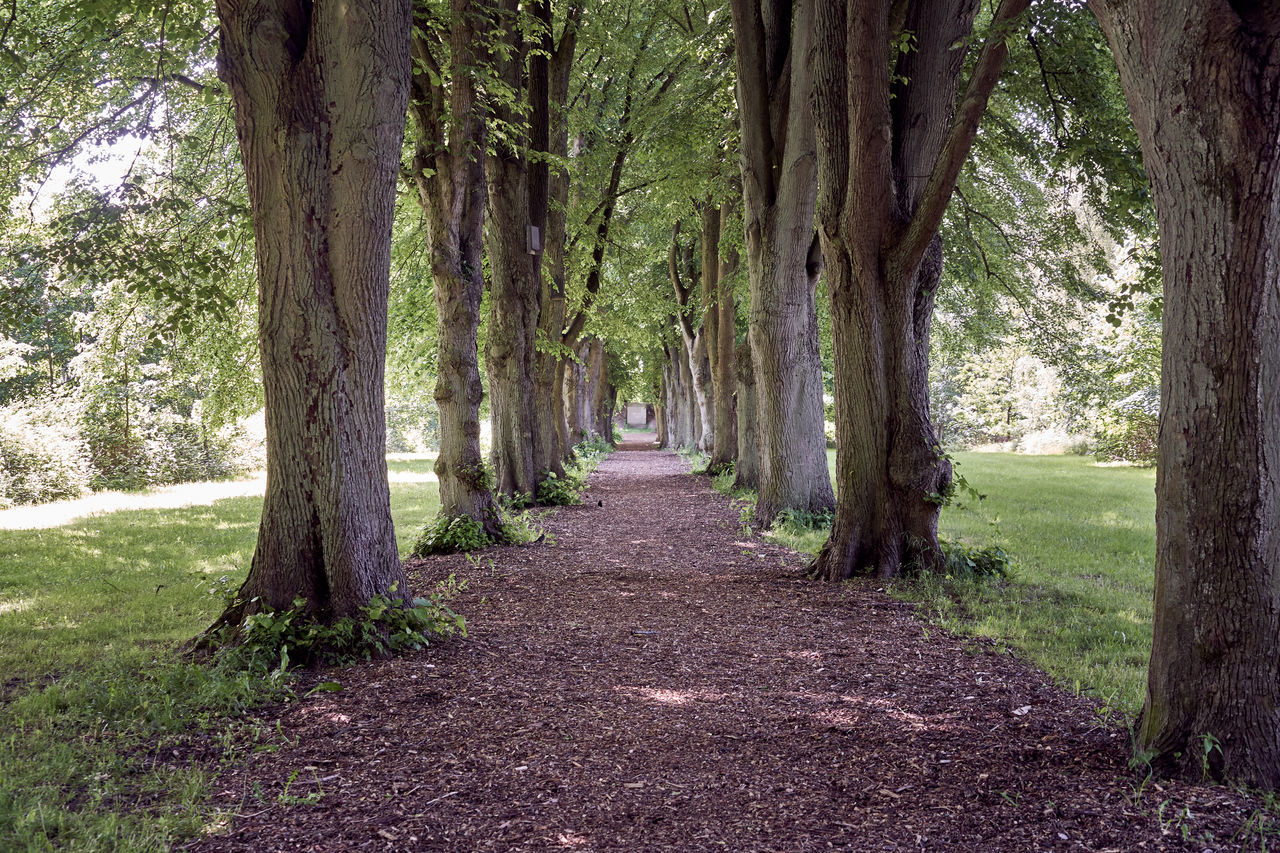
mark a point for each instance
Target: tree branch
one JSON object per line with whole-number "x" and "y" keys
{"x": 924, "y": 225}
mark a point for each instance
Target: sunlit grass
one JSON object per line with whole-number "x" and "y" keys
{"x": 1082, "y": 537}
{"x": 91, "y": 610}
{"x": 95, "y": 587}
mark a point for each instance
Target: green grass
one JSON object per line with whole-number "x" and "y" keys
{"x": 1082, "y": 537}
{"x": 90, "y": 614}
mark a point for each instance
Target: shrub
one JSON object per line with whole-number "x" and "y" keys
{"x": 561, "y": 491}
{"x": 450, "y": 535}
{"x": 276, "y": 639}
{"x": 42, "y": 456}
{"x": 967, "y": 561}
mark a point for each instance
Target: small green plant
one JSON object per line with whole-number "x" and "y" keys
{"x": 1208, "y": 746}
{"x": 451, "y": 535}
{"x": 521, "y": 528}
{"x": 563, "y": 490}
{"x": 275, "y": 640}
{"x": 593, "y": 445}
{"x": 971, "y": 561}
{"x": 310, "y": 799}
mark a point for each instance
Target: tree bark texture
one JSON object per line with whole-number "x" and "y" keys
{"x": 1202, "y": 79}
{"x": 448, "y": 172}
{"x": 553, "y": 447}
{"x": 724, "y": 451}
{"x": 746, "y": 474}
{"x": 890, "y": 146}
{"x": 515, "y": 288}
{"x": 683, "y": 273}
{"x": 779, "y": 178}
{"x": 319, "y": 109}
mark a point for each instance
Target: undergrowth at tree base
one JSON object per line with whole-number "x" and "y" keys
{"x": 275, "y": 640}
{"x": 95, "y": 760}
{"x": 462, "y": 533}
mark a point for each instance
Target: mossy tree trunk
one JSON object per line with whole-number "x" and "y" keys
{"x": 724, "y": 450}
{"x": 448, "y": 172}
{"x": 779, "y": 179}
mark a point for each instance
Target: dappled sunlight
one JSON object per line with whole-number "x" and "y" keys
{"x": 411, "y": 477}
{"x": 15, "y": 605}
{"x": 572, "y": 839}
{"x": 58, "y": 513}
{"x": 675, "y": 698}
{"x": 824, "y": 709}
{"x": 403, "y": 468}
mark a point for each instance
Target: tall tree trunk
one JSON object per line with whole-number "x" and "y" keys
{"x": 697, "y": 373}
{"x": 724, "y": 450}
{"x": 747, "y": 465}
{"x": 513, "y": 315}
{"x": 779, "y": 189}
{"x": 553, "y": 447}
{"x": 515, "y": 279}
{"x": 884, "y": 190}
{"x": 709, "y": 327}
{"x": 660, "y": 416}
{"x": 1203, "y": 83}
{"x": 322, "y": 206}
{"x": 448, "y": 173}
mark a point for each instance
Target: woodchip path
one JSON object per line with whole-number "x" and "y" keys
{"x": 655, "y": 678}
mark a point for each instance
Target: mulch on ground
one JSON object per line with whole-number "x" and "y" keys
{"x": 652, "y": 677}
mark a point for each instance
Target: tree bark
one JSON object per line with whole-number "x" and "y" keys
{"x": 553, "y": 440}
{"x": 747, "y": 466}
{"x": 448, "y": 172}
{"x": 779, "y": 189}
{"x": 724, "y": 451}
{"x": 319, "y": 110}
{"x": 884, "y": 189}
{"x": 1203, "y": 84}
{"x": 697, "y": 372}
{"x": 515, "y": 289}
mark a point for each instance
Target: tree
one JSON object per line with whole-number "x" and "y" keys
{"x": 722, "y": 315}
{"x": 448, "y": 173}
{"x": 1201, "y": 78}
{"x": 549, "y": 364}
{"x": 779, "y": 186}
{"x": 891, "y": 143}
{"x": 320, "y": 95}
{"x": 697, "y": 346}
{"x": 517, "y": 206}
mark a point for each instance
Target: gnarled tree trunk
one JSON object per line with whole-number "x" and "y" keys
{"x": 890, "y": 146}
{"x": 553, "y": 439}
{"x": 1203, "y": 83}
{"x": 517, "y": 201}
{"x": 724, "y": 451}
{"x": 322, "y": 206}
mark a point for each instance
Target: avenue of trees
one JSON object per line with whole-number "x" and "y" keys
{"x": 760, "y": 217}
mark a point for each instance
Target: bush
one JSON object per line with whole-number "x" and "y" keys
{"x": 967, "y": 561}
{"x": 561, "y": 491}
{"x": 450, "y": 535}
{"x": 277, "y": 639}
{"x": 42, "y": 456}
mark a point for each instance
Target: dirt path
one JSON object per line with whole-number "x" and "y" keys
{"x": 657, "y": 680}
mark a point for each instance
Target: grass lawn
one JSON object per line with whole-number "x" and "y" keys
{"x": 1082, "y": 537}
{"x": 135, "y": 579}
{"x": 89, "y": 690}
